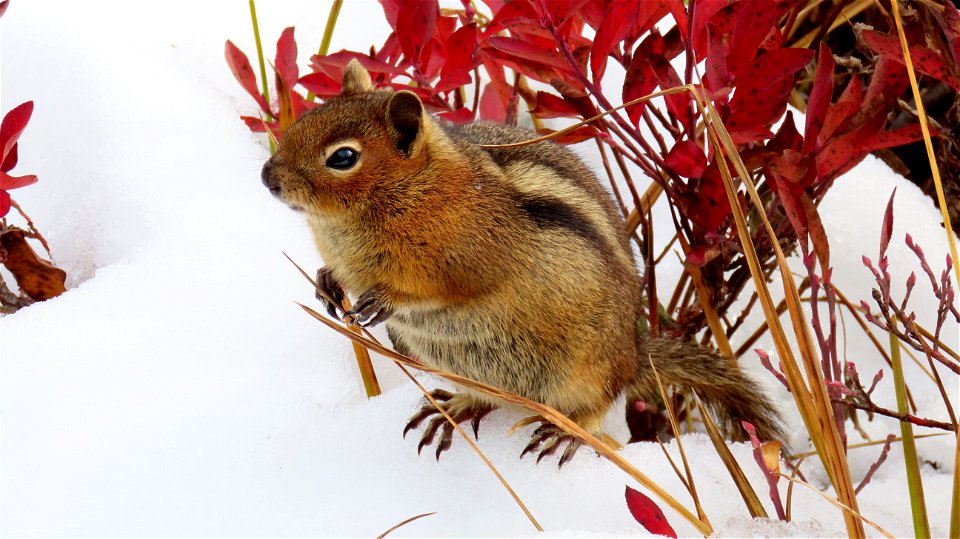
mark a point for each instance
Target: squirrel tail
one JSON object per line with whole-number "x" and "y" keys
{"x": 724, "y": 389}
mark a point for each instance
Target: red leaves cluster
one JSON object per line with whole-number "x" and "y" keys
{"x": 748, "y": 74}
{"x": 14, "y": 122}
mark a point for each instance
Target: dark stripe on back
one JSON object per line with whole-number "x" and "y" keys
{"x": 549, "y": 212}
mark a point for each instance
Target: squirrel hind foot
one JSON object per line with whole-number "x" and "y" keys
{"x": 548, "y": 439}
{"x": 460, "y": 407}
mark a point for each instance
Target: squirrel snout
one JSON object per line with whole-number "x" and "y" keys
{"x": 269, "y": 178}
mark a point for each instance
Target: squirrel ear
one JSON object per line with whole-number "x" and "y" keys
{"x": 356, "y": 79}
{"x": 405, "y": 115}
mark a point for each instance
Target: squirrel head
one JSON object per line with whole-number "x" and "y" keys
{"x": 364, "y": 143}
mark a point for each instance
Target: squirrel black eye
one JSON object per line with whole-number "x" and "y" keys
{"x": 343, "y": 158}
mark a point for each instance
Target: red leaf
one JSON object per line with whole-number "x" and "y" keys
{"x": 839, "y": 114}
{"x": 334, "y": 64}
{"x": 703, "y": 12}
{"x": 521, "y": 49}
{"x": 641, "y": 80}
{"x": 551, "y": 106}
{"x": 4, "y": 202}
{"x": 897, "y": 137}
{"x": 8, "y": 182}
{"x": 259, "y": 126}
{"x": 491, "y": 106}
{"x": 762, "y": 90}
{"x": 286, "y": 60}
{"x": 820, "y": 97}
{"x": 753, "y": 20}
{"x": 516, "y": 10}
{"x": 11, "y": 160}
{"x": 951, "y": 28}
{"x": 621, "y": 14}
{"x": 461, "y": 49}
{"x": 418, "y": 21}
{"x": 925, "y": 59}
{"x": 707, "y": 204}
{"x": 887, "y": 229}
{"x": 458, "y": 116}
{"x": 3, "y": 9}
{"x": 320, "y": 84}
{"x": 243, "y": 72}
{"x": 686, "y": 159}
{"x": 717, "y": 75}
{"x": 646, "y": 512}
{"x": 391, "y": 10}
{"x": 453, "y": 80}
{"x": 13, "y": 124}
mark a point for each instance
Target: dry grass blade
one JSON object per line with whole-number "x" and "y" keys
{"x": 749, "y": 495}
{"x": 875, "y": 442}
{"x": 404, "y": 523}
{"x": 951, "y": 238}
{"x": 848, "y": 13}
{"x": 668, "y": 91}
{"x": 367, "y": 373}
{"x": 706, "y": 305}
{"x": 544, "y": 411}
{"x": 812, "y": 400}
{"x": 688, "y": 482}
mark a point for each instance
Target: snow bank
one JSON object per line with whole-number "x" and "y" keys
{"x": 176, "y": 390}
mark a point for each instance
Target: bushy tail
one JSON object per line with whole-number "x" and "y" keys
{"x": 725, "y": 390}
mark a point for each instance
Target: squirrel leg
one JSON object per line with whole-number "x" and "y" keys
{"x": 329, "y": 289}
{"x": 371, "y": 308}
{"x": 460, "y": 407}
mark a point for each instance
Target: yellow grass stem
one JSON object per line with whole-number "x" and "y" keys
{"x": 688, "y": 482}
{"x": 367, "y": 374}
{"x": 951, "y": 238}
{"x": 263, "y": 67}
{"x": 747, "y": 492}
{"x": 918, "y": 506}
{"x": 812, "y": 400}
{"x": 836, "y": 503}
{"x": 404, "y": 523}
{"x": 327, "y": 35}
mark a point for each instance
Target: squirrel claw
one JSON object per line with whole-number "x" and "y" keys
{"x": 369, "y": 310}
{"x": 548, "y": 439}
{"x": 460, "y": 408}
{"x": 328, "y": 287}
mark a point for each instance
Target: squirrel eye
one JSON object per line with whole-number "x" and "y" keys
{"x": 343, "y": 159}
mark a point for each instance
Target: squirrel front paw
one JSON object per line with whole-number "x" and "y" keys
{"x": 460, "y": 407}
{"x": 371, "y": 309}
{"x": 329, "y": 291}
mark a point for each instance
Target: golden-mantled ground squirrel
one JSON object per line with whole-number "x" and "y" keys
{"x": 509, "y": 266}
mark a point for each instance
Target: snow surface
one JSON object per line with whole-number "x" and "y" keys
{"x": 176, "y": 390}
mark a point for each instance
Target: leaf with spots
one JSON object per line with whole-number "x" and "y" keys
{"x": 686, "y": 159}
{"x": 240, "y": 67}
{"x": 925, "y": 59}
{"x": 646, "y": 512}
{"x": 417, "y": 21}
{"x": 820, "y": 97}
{"x": 620, "y": 16}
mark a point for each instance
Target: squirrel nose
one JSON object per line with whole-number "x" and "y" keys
{"x": 268, "y": 177}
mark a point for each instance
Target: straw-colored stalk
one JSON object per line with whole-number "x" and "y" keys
{"x": 951, "y": 238}
{"x": 327, "y": 34}
{"x": 404, "y": 523}
{"x": 747, "y": 492}
{"x": 263, "y": 66}
{"x": 812, "y": 400}
{"x": 367, "y": 373}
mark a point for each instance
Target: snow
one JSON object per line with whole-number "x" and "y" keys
{"x": 176, "y": 390}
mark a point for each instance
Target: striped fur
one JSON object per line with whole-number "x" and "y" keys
{"x": 508, "y": 266}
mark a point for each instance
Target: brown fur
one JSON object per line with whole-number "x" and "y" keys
{"x": 508, "y": 266}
